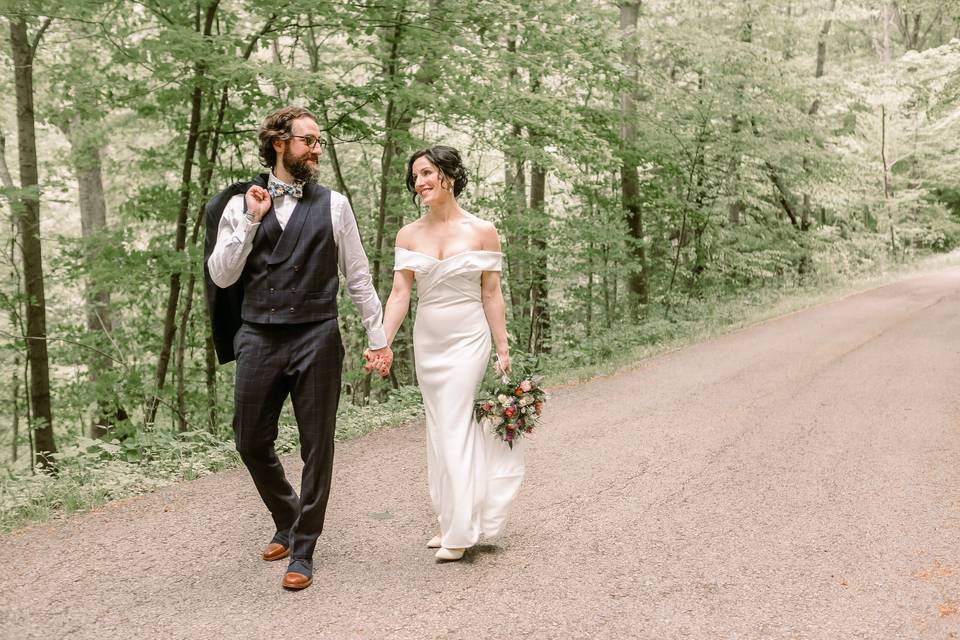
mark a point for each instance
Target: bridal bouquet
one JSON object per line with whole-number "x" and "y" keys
{"x": 510, "y": 406}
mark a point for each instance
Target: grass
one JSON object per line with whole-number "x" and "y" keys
{"x": 92, "y": 473}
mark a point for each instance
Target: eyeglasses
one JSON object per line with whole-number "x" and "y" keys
{"x": 312, "y": 141}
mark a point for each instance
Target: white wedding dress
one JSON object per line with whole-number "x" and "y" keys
{"x": 473, "y": 477}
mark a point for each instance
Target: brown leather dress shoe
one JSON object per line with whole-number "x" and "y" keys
{"x": 275, "y": 551}
{"x": 294, "y": 580}
{"x": 299, "y": 574}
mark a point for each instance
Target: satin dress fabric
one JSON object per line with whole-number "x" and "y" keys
{"x": 473, "y": 477}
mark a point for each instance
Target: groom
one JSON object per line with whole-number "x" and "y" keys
{"x": 274, "y": 246}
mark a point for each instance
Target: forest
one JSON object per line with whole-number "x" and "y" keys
{"x": 643, "y": 161}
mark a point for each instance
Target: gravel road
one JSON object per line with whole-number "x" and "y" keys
{"x": 796, "y": 479}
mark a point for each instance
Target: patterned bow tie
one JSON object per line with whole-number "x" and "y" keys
{"x": 276, "y": 189}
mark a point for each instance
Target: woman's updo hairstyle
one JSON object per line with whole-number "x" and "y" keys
{"x": 447, "y": 160}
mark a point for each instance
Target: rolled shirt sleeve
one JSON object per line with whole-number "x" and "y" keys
{"x": 234, "y": 243}
{"x": 355, "y": 267}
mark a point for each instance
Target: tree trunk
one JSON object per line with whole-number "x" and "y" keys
{"x": 398, "y": 118}
{"x": 206, "y": 180}
{"x": 784, "y": 197}
{"x": 170, "y": 316}
{"x": 822, "y": 41}
{"x": 590, "y": 249}
{"x": 887, "y": 189}
{"x": 28, "y": 219}
{"x": 515, "y": 186}
{"x": 87, "y": 165}
{"x": 885, "y": 16}
{"x": 539, "y": 338}
{"x": 15, "y": 405}
{"x": 629, "y": 174}
{"x": 15, "y": 310}
{"x": 210, "y": 376}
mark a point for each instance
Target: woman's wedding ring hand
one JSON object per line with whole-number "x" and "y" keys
{"x": 378, "y": 359}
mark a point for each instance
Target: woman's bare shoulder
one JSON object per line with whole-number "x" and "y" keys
{"x": 485, "y": 232}
{"x": 478, "y": 224}
{"x": 407, "y": 234}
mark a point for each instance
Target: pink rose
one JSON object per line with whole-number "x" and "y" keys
{"x": 526, "y": 385}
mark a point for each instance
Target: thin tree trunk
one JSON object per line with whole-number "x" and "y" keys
{"x": 15, "y": 403}
{"x": 397, "y": 121}
{"x": 211, "y": 376}
{"x": 885, "y": 54}
{"x": 785, "y": 198}
{"x": 539, "y": 338}
{"x": 629, "y": 174}
{"x": 170, "y": 316}
{"x": 28, "y": 218}
{"x": 590, "y": 276}
{"x": 887, "y": 190}
{"x": 514, "y": 180}
{"x": 605, "y": 278}
{"x": 822, "y": 41}
{"x": 87, "y": 166}
{"x": 15, "y": 316}
{"x": 206, "y": 179}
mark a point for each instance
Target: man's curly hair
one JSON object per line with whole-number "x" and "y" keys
{"x": 277, "y": 126}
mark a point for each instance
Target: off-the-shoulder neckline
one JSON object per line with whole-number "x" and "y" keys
{"x": 456, "y": 255}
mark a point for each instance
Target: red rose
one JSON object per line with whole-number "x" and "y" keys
{"x": 538, "y": 407}
{"x": 509, "y": 411}
{"x": 518, "y": 392}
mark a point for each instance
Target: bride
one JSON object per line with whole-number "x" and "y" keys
{"x": 455, "y": 259}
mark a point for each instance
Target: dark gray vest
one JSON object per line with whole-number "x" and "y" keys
{"x": 291, "y": 274}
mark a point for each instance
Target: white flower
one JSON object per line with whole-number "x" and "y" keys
{"x": 502, "y": 399}
{"x": 496, "y": 421}
{"x": 525, "y": 400}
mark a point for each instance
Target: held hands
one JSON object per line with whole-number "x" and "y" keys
{"x": 378, "y": 359}
{"x": 258, "y": 202}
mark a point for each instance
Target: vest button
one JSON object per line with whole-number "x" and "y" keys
{"x": 296, "y": 268}
{"x": 272, "y": 310}
{"x": 294, "y": 290}
{"x": 272, "y": 289}
{"x": 291, "y": 309}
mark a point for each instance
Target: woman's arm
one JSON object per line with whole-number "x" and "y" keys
{"x": 398, "y": 303}
{"x": 492, "y": 296}
{"x": 396, "y": 309}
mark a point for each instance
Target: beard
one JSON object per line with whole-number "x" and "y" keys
{"x": 298, "y": 166}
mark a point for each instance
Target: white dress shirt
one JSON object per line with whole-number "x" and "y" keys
{"x": 235, "y": 241}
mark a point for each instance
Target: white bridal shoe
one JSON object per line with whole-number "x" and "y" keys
{"x": 449, "y": 554}
{"x": 434, "y": 542}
